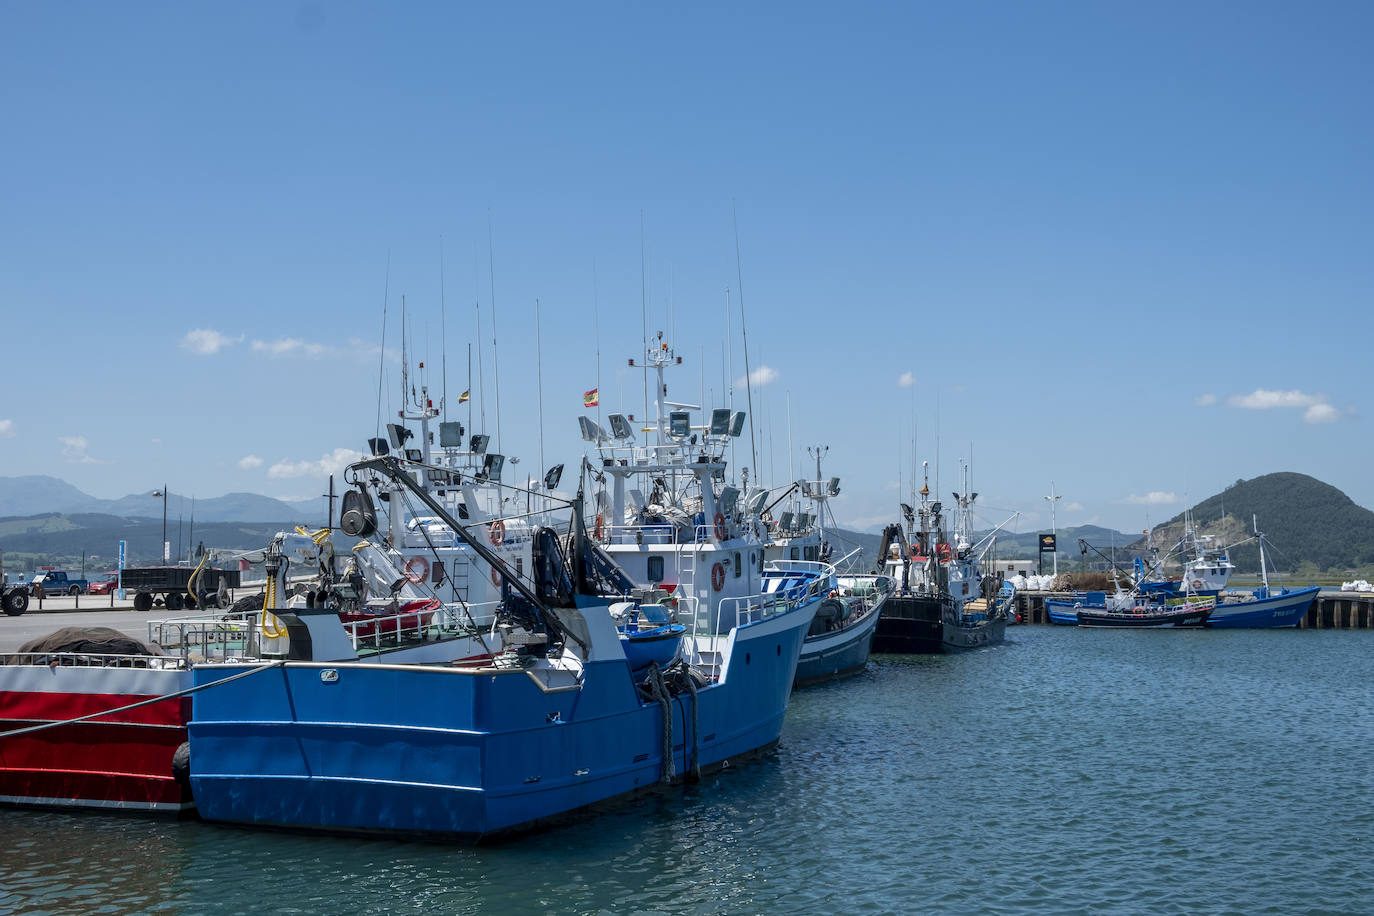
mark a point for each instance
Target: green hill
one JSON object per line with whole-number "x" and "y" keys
{"x": 1308, "y": 523}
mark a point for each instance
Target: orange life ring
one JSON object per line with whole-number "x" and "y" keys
{"x": 497, "y": 532}
{"x": 1197, "y": 584}
{"x": 496, "y": 577}
{"x": 717, "y": 576}
{"x": 720, "y": 529}
{"x": 600, "y": 527}
{"x": 414, "y": 564}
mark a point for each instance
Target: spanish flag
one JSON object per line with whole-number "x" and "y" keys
{"x": 463, "y": 397}
{"x": 591, "y": 398}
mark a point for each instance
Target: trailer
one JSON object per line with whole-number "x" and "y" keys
{"x": 171, "y": 587}
{"x": 14, "y": 596}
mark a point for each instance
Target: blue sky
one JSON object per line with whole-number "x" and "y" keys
{"x": 1123, "y": 248}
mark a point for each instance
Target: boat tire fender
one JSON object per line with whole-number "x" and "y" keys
{"x": 181, "y": 766}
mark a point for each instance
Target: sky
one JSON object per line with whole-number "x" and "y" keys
{"x": 1118, "y": 249}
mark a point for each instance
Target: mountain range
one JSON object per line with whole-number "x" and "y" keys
{"x": 40, "y": 494}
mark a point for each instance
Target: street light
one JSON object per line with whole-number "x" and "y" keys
{"x": 163, "y": 494}
{"x": 1054, "y": 498}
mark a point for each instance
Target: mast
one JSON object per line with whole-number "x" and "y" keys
{"x": 539, "y": 375}
{"x": 443, "y": 331}
{"x": 495, "y": 354}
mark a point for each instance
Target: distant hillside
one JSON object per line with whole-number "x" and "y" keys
{"x": 1023, "y": 546}
{"x": 1306, "y": 521}
{"x": 39, "y": 494}
{"x": 61, "y": 540}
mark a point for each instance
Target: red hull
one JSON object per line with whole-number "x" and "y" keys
{"x": 123, "y": 761}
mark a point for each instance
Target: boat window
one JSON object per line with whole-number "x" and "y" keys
{"x": 739, "y": 568}
{"x": 796, "y": 555}
{"x": 655, "y": 569}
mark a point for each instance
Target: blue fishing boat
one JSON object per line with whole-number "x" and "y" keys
{"x": 559, "y": 720}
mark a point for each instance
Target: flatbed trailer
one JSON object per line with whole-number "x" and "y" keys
{"x": 171, "y": 586}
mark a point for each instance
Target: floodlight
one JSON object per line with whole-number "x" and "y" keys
{"x": 398, "y": 435}
{"x": 414, "y": 454}
{"x": 379, "y": 447}
{"x": 755, "y": 504}
{"x": 786, "y": 522}
{"x": 906, "y": 511}
{"x": 491, "y": 466}
{"x": 729, "y": 499}
{"x": 680, "y": 423}
{"x": 451, "y": 434}
{"x": 737, "y": 423}
{"x": 834, "y": 486}
{"x": 804, "y": 521}
{"x": 620, "y": 427}
{"x": 479, "y": 443}
{"x": 554, "y": 475}
{"x": 590, "y": 431}
{"x": 720, "y": 421}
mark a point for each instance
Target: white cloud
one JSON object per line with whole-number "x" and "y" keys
{"x": 74, "y": 449}
{"x": 1316, "y": 408}
{"x": 1074, "y": 507}
{"x": 330, "y": 463}
{"x": 760, "y": 376}
{"x": 207, "y": 341}
{"x": 1153, "y": 498}
{"x": 248, "y": 462}
{"x": 1205, "y": 400}
{"x": 1321, "y": 413}
{"x": 6, "y": 429}
{"x": 1265, "y": 399}
{"x": 287, "y": 346}
{"x": 906, "y": 380}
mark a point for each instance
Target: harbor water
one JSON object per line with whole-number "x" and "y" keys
{"x": 1066, "y": 771}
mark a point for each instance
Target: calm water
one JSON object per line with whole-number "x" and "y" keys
{"x": 1066, "y": 771}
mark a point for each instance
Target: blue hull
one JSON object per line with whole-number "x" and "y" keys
{"x": 1276, "y": 611}
{"x": 464, "y": 754}
{"x": 1065, "y": 615}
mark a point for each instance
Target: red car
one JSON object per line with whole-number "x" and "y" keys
{"x": 104, "y": 586}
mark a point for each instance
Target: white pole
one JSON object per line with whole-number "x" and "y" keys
{"x": 1054, "y": 530}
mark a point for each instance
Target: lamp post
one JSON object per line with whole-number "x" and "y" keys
{"x": 163, "y": 494}
{"x": 1054, "y": 498}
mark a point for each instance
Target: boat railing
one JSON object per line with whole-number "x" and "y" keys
{"x": 92, "y": 660}
{"x": 654, "y": 533}
{"x": 208, "y": 635}
{"x": 387, "y": 630}
{"x": 750, "y": 609}
{"x": 653, "y": 457}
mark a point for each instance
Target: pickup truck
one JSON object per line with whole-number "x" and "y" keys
{"x": 56, "y": 582}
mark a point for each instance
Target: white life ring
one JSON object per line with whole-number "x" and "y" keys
{"x": 497, "y": 532}
{"x": 417, "y": 569}
{"x": 496, "y": 577}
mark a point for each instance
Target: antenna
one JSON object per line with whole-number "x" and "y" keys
{"x": 596, "y": 325}
{"x": 644, "y": 308}
{"x": 443, "y": 329}
{"x": 381, "y": 359}
{"x": 744, "y": 329}
{"x": 539, "y": 375}
{"x": 495, "y": 355}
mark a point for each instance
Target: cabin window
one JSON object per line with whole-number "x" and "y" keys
{"x": 813, "y": 553}
{"x": 520, "y": 567}
{"x": 739, "y": 567}
{"x": 796, "y": 555}
{"x": 655, "y": 569}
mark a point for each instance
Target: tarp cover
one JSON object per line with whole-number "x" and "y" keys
{"x": 92, "y": 640}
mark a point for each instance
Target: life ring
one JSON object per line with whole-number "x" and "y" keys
{"x": 497, "y": 532}
{"x": 717, "y": 577}
{"x": 1197, "y": 584}
{"x": 417, "y": 569}
{"x": 496, "y": 577}
{"x": 720, "y": 528}
{"x": 600, "y": 527}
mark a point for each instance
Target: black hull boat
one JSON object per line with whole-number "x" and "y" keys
{"x": 1146, "y": 619}
{"x": 910, "y": 625}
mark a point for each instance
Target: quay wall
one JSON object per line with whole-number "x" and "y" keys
{"x": 1333, "y": 609}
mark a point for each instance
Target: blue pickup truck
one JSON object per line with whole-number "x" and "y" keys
{"x": 56, "y": 582}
